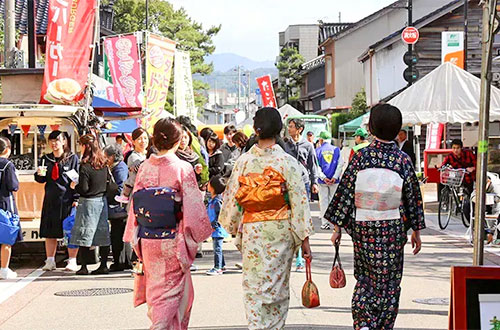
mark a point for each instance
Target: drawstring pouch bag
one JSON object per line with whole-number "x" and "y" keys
{"x": 337, "y": 275}
{"x": 9, "y": 226}
{"x": 67, "y": 227}
{"x": 310, "y": 293}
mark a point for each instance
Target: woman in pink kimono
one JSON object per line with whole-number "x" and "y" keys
{"x": 167, "y": 251}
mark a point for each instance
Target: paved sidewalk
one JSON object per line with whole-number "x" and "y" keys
{"x": 218, "y": 299}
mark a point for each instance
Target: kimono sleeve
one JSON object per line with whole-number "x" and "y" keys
{"x": 342, "y": 211}
{"x": 412, "y": 200}
{"x": 231, "y": 214}
{"x": 195, "y": 218}
{"x": 301, "y": 220}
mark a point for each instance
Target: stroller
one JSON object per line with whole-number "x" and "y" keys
{"x": 492, "y": 216}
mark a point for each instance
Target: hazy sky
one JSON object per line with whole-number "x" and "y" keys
{"x": 250, "y": 28}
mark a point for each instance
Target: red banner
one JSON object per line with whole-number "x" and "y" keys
{"x": 267, "y": 92}
{"x": 69, "y": 37}
{"x": 434, "y": 134}
{"x": 125, "y": 67}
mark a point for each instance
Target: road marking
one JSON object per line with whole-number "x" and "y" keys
{"x": 8, "y": 289}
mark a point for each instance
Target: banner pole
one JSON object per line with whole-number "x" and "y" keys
{"x": 92, "y": 59}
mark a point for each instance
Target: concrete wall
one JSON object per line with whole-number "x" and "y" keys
{"x": 306, "y": 35}
{"x": 386, "y": 73}
{"x": 349, "y": 77}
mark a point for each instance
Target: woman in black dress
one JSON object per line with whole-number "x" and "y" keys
{"x": 59, "y": 197}
{"x": 8, "y": 184}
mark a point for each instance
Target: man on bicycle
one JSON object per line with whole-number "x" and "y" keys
{"x": 464, "y": 159}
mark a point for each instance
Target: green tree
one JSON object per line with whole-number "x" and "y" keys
{"x": 130, "y": 16}
{"x": 289, "y": 67}
{"x": 359, "y": 106}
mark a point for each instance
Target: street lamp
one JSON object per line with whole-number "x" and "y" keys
{"x": 287, "y": 82}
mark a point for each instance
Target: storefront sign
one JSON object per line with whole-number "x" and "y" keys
{"x": 183, "y": 85}
{"x": 266, "y": 89}
{"x": 159, "y": 59}
{"x": 452, "y": 48}
{"x": 434, "y": 134}
{"x": 69, "y": 37}
{"x": 125, "y": 68}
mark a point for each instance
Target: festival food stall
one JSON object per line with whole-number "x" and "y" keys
{"x": 28, "y": 126}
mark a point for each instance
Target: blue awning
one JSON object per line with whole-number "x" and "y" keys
{"x": 122, "y": 126}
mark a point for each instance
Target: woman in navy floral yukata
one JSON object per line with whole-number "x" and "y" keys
{"x": 377, "y": 201}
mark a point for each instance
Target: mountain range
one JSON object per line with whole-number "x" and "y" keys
{"x": 225, "y": 74}
{"x": 227, "y": 61}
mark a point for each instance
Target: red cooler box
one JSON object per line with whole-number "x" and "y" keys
{"x": 433, "y": 158}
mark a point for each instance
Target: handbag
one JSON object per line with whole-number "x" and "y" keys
{"x": 337, "y": 275}
{"x": 111, "y": 189}
{"x": 68, "y": 224}
{"x": 310, "y": 293}
{"x": 9, "y": 226}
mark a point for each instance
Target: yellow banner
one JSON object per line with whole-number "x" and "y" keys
{"x": 159, "y": 59}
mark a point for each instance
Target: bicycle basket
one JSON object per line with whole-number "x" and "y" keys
{"x": 452, "y": 177}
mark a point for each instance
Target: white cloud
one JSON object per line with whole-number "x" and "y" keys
{"x": 250, "y": 28}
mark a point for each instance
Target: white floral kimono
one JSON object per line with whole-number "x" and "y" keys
{"x": 268, "y": 247}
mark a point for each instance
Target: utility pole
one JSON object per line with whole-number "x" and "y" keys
{"x": 10, "y": 33}
{"x": 466, "y": 29}
{"x": 147, "y": 15}
{"x": 248, "y": 93}
{"x": 410, "y": 46}
{"x": 489, "y": 18}
{"x": 239, "y": 83}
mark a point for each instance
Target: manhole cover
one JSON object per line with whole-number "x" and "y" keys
{"x": 92, "y": 292}
{"x": 433, "y": 301}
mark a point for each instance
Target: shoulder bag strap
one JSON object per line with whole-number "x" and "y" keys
{"x": 336, "y": 260}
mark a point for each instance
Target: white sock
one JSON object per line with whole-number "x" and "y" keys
{"x": 71, "y": 260}
{"x": 4, "y": 269}
{"x": 51, "y": 259}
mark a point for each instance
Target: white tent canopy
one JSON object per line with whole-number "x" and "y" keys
{"x": 288, "y": 111}
{"x": 447, "y": 94}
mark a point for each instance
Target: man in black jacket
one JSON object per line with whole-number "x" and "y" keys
{"x": 405, "y": 145}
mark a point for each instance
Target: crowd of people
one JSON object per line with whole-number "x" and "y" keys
{"x": 152, "y": 201}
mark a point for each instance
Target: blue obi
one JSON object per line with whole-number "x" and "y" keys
{"x": 157, "y": 212}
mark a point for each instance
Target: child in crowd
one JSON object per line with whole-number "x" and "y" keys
{"x": 8, "y": 184}
{"x": 216, "y": 187}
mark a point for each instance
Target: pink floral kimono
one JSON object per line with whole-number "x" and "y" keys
{"x": 166, "y": 285}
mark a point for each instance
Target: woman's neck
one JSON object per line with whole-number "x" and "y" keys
{"x": 384, "y": 141}
{"x": 140, "y": 151}
{"x": 166, "y": 152}
{"x": 266, "y": 143}
{"x": 58, "y": 153}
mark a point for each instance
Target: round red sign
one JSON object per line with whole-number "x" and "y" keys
{"x": 410, "y": 35}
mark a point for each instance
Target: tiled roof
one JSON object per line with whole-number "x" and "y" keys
{"x": 42, "y": 16}
{"x": 326, "y": 30}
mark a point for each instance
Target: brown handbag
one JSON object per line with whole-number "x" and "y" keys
{"x": 310, "y": 293}
{"x": 337, "y": 275}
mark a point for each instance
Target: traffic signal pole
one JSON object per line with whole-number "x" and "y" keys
{"x": 489, "y": 17}
{"x": 410, "y": 46}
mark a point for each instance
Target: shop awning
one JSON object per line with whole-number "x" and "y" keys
{"x": 447, "y": 94}
{"x": 354, "y": 124}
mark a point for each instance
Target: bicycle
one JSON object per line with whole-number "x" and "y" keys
{"x": 452, "y": 198}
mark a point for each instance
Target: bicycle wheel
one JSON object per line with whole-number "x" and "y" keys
{"x": 465, "y": 211}
{"x": 445, "y": 208}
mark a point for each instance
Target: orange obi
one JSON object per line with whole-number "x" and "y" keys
{"x": 263, "y": 196}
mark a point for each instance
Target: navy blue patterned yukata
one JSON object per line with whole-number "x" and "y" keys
{"x": 377, "y": 201}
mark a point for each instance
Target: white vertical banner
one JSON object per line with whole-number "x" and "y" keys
{"x": 183, "y": 85}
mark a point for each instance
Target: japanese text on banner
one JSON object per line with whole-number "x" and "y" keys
{"x": 184, "y": 96}
{"x": 159, "y": 60}
{"x": 69, "y": 39}
{"x": 123, "y": 60}
{"x": 267, "y": 91}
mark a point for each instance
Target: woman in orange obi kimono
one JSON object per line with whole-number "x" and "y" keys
{"x": 268, "y": 232}
{"x": 166, "y": 286}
